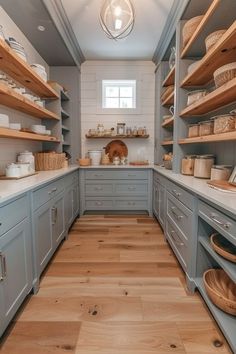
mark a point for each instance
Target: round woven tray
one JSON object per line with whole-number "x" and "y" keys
{"x": 224, "y": 74}
{"x": 189, "y": 28}
{"x": 221, "y": 290}
{"x": 223, "y": 247}
{"x": 213, "y": 38}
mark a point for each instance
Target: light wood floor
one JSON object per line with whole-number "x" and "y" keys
{"x": 114, "y": 287}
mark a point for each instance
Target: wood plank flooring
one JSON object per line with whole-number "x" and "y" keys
{"x": 114, "y": 287}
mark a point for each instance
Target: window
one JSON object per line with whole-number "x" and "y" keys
{"x": 119, "y": 94}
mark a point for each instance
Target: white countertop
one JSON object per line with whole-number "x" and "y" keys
{"x": 116, "y": 167}
{"x": 225, "y": 200}
{"x": 12, "y": 188}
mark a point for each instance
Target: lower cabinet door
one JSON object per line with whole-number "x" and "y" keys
{"x": 58, "y": 220}
{"x": 15, "y": 270}
{"x": 75, "y": 201}
{"x": 156, "y": 199}
{"x": 162, "y": 204}
{"x": 69, "y": 207}
{"x": 43, "y": 236}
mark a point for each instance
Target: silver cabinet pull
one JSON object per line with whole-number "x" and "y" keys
{"x": 131, "y": 188}
{"x": 52, "y": 191}
{"x": 226, "y": 225}
{"x": 177, "y": 216}
{"x": 3, "y": 267}
{"x": 98, "y": 176}
{"x": 99, "y": 203}
{"x": 131, "y": 203}
{"x": 176, "y": 241}
{"x": 177, "y": 194}
{"x": 98, "y": 188}
{"x": 54, "y": 215}
{"x": 130, "y": 175}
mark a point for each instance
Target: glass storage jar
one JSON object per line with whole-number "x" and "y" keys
{"x": 187, "y": 165}
{"x": 193, "y": 130}
{"x": 206, "y": 128}
{"x": 203, "y": 165}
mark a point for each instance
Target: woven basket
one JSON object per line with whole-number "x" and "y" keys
{"x": 190, "y": 27}
{"x": 167, "y": 92}
{"x": 213, "y": 38}
{"x": 45, "y": 161}
{"x": 223, "y": 247}
{"x": 221, "y": 290}
{"x": 224, "y": 74}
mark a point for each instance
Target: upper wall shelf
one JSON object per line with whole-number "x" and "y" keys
{"x": 10, "y": 98}
{"x": 15, "y": 134}
{"x": 220, "y": 97}
{"x": 222, "y": 53}
{"x": 118, "y": 136}
{"x": 231, "y": 136}
{"x": 20, "y": 71}
{"x": 200, "y": 27}
{"x": 170, "y": 78}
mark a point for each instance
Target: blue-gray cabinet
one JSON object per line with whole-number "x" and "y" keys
{"x": 159, "y": 199}
{"x": 71, "y": 198}
{"x": 116, "y": 190}
{"x": 16, "y": 268}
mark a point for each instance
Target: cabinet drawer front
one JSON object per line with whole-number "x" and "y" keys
{"x": 13, "y": 213}
{"x": 222, "y": 223}
{"x": 98, "y": 204}
{"x": 44, "y": 194}
{"x": 177, "y": 243}
{"x": 99, "y": 189}
{"x": 159, "y": 179}
{"x": 131, "y": 204}
{"x": 181, "y": 194}
{"x": 131, "y": 188}
{"x": 117, "y": 174}
{"x": 70, "y": 179}
{"x": 180, "y": 215}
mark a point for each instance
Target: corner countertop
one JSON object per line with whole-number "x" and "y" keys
{"x": 225, "y": 200}
{"x": 117, "y": 167}
{"x": 12, "y": 188}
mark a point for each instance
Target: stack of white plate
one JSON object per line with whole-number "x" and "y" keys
{"x": 4, "y": 120}
{"x": 18, "y": 48}
{"x": 40, "y": 70}
{"x": 39, "y": 129}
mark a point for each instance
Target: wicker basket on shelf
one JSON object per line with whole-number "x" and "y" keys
{"x": 221, "y": 290}
{"x": 167, "y": 92}
{"x": 45, "y": 161}
{"x": 213, "y": 38}
{"x": 190, "y": 27}
{"x": 224, "y": 74}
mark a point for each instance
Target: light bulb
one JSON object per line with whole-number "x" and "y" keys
{"x": 117, "y": 11}
{"x": 118, "y": 24}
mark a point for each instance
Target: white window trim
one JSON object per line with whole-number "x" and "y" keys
{"x": 118, "y": 111}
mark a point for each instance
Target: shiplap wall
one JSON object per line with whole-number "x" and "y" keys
{"x": 91, "y": 73}
{"x": 9, "y": 148}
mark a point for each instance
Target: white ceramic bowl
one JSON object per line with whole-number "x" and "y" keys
{"x": 15, "y": 126}
{"x": 40, "y": 70}
{"x": 4, "y": 120}
{"x": 40, "y": 129}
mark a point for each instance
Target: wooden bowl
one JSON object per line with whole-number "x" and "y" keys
{"x": 190, "y": 27}
{"x": 84, "y": 162}
{"x": 221, "y": 290}
{"x": 223, "y": 247}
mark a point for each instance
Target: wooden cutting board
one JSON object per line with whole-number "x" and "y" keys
{"x": 222, "y": 185}
{"x": 116, "y": 148}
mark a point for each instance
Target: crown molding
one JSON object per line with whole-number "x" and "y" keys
{"x": 173, "y": 18}
{"x": 61, "y": 21}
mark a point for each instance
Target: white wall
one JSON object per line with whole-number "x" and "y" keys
{"x": 9, "y": 148}
{"x": 91, "y": 73}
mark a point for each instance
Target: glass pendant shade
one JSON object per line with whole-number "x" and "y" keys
{"x": 117, "y": 18}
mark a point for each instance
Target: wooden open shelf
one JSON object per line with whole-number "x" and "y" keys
{"x": 202, "y": 24}
{"x": 222, "y": 53}
{"x": 167, "y": 142}
{"x": 15, "y": 134}
{"x": 168, "y": 122}
{"x": 170, "y": 78}
{"x": 20, "y": 71}
{"x": 231, "y": 136}
{"x": 169, "y": 100}
{"x": 118, "y": 137}
{"x": 220, "y": 97}
{"x": 12, "y": 99}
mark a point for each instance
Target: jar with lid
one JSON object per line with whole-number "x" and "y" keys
{"x": 27, "y": 157}
{"x": 203, "y": 165}
{"x": 120, "y": 128}
{"x": 206, "y": 127}
{"x": 100, "y": 129}
{"x": 135, "y": 131}
{"x": 221, "y": 172}
{"x": 128, "y": 131}
{"x": 193, "y": 130}
{"x": 187, "y": 166}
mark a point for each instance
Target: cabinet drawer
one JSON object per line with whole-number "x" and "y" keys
{"x": 13, "y": 213}
{"x": 177, "y": 243}
{"x": 117, "y": 174}
{"x": 222, "y": 223}
{"x": 99, "y": 189}
{"x": 44, "y": 194}
{"x": 181, "y": 194}
{"x": 159, "y": 179}
{"x": 131, "y": 188}
{"x": 98, "y": 204}
{"x": 180, "y": 215}
{"x": 137, "y": 204}
{"x": 70, "y": 179}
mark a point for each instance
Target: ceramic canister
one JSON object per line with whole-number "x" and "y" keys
{"x": 27, "y": 157}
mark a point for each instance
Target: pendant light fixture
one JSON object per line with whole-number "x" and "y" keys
{"x": 117, "y": 18}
